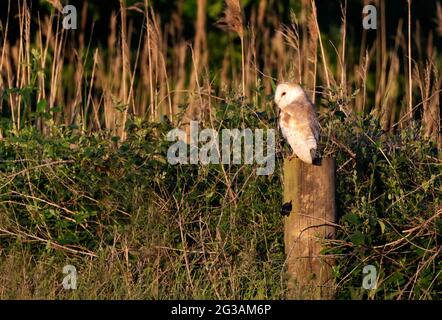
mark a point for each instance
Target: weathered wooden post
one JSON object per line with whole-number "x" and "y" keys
{"x": 310, "y": 189}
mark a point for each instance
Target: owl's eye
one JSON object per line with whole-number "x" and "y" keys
{"x": 283, "y": 94}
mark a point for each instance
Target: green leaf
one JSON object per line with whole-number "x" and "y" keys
{"x": 358, "y": 238}
{"x": 352, "y": 218}
{"x": 41, "y": 106}
{"x": 382, "y": 224}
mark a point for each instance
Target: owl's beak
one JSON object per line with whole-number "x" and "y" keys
{"x": 276, "y": 100}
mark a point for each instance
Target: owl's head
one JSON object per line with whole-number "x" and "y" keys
{"x": 287, "y": 93}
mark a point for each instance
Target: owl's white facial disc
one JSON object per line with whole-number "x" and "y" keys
{"x": 286, "y": 93}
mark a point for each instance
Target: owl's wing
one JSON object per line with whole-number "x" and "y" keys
{"x": 300, "y": 127}
{"x": 304, "y": 115}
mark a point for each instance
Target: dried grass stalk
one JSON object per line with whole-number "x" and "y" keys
{"x": 233, "y": 21}
{"x": 233, "y": 18}
{"x": 439, "y": 18}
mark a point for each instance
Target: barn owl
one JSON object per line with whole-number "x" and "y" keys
{"x": 298, "y": 120}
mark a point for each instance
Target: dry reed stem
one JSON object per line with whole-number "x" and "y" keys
{"x": 233, "y": 21}
{"x": 410, "y": 80}
{"x": 439, "y": 18}
{"x": 324, "y": 61}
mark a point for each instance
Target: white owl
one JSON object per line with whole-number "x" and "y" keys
{"x": 298, "y": 121}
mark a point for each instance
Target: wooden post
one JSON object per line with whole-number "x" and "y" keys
{"x": 309, "y": 190}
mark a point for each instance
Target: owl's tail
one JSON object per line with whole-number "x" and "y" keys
{"x": 308, "y": 152}
{"x": 307, "y": 157}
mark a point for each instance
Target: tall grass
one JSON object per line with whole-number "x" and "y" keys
{"x": 146, "y": 74}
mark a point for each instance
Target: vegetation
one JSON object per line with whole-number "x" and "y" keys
{"x": 83, "y": 174}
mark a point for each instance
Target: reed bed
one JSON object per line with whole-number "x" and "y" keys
{"x": 147, "y": 69}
